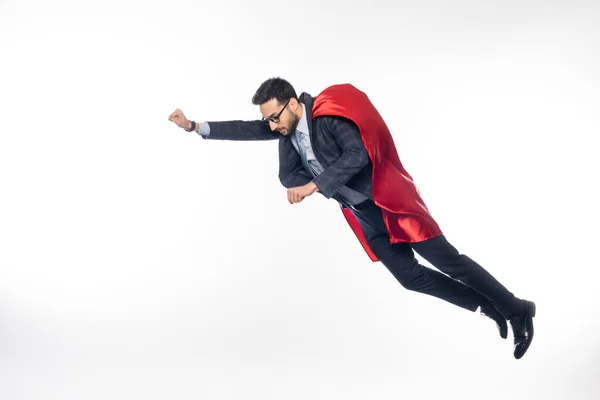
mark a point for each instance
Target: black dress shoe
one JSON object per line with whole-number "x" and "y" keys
{"x": 490, "y": 311}
{"x": 522, "y": 326}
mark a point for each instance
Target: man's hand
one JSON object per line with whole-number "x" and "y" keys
{"x": 297, "y": 194}
{"x": 180, "y": 120}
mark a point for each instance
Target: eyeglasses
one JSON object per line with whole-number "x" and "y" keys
{"x": 275, "y": 118}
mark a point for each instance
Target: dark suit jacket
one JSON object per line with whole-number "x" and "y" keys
{"x": 336, "y": 142}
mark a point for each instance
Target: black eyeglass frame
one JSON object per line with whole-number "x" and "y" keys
{"x": 275, "y": 118}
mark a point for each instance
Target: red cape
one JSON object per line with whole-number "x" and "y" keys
{"x": 405, "y": 215}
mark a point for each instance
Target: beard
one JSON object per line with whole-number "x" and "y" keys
{"x": 293, "y": 124}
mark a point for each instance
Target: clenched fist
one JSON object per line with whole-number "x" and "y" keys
{"x": 298, "y": 193}
{"x": 180, "y": 120}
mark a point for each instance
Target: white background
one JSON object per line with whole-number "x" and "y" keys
{"x": 138, "y": 261}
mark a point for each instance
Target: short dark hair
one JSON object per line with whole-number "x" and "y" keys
{"x": 274, "y": 88}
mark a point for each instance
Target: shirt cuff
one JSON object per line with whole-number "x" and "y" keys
{"x": 204, "y": 129}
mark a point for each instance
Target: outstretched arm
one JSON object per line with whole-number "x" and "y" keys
{"x": 226, "y": 130}
{"x": 237, "y": 130}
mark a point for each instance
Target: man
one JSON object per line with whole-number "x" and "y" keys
{"x": 338, "y": 145}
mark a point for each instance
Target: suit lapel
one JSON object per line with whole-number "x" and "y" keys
{"x": 286, "y": 148}
{"x": 308, "y": 102}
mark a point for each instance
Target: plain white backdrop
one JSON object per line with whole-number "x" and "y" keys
{"x": 138, "y": 261}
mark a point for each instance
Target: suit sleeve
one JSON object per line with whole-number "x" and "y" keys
{"x": 237, "y": 130}
{"x": 353, "y": 159}
{"x": 291, "y": 171}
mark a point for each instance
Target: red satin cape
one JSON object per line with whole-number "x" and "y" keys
{"x": 404, "y": 212}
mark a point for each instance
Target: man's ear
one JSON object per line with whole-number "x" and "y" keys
{"x": 294, "y": 103}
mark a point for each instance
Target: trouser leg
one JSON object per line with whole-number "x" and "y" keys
{"x": 467, "y": 285}
{"x": 442, "y": 255}
{"x": 399, "y": 259}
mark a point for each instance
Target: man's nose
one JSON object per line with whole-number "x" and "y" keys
{"x": 273, "y": 125}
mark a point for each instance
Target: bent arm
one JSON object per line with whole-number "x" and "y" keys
{"x": 353, "y": 159}
{"x": 292, "y": 173}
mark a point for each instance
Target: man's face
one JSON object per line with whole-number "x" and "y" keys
{"x": 282, "y": 118}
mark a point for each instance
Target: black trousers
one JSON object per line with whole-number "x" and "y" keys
{"x": 463, "y": 282}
